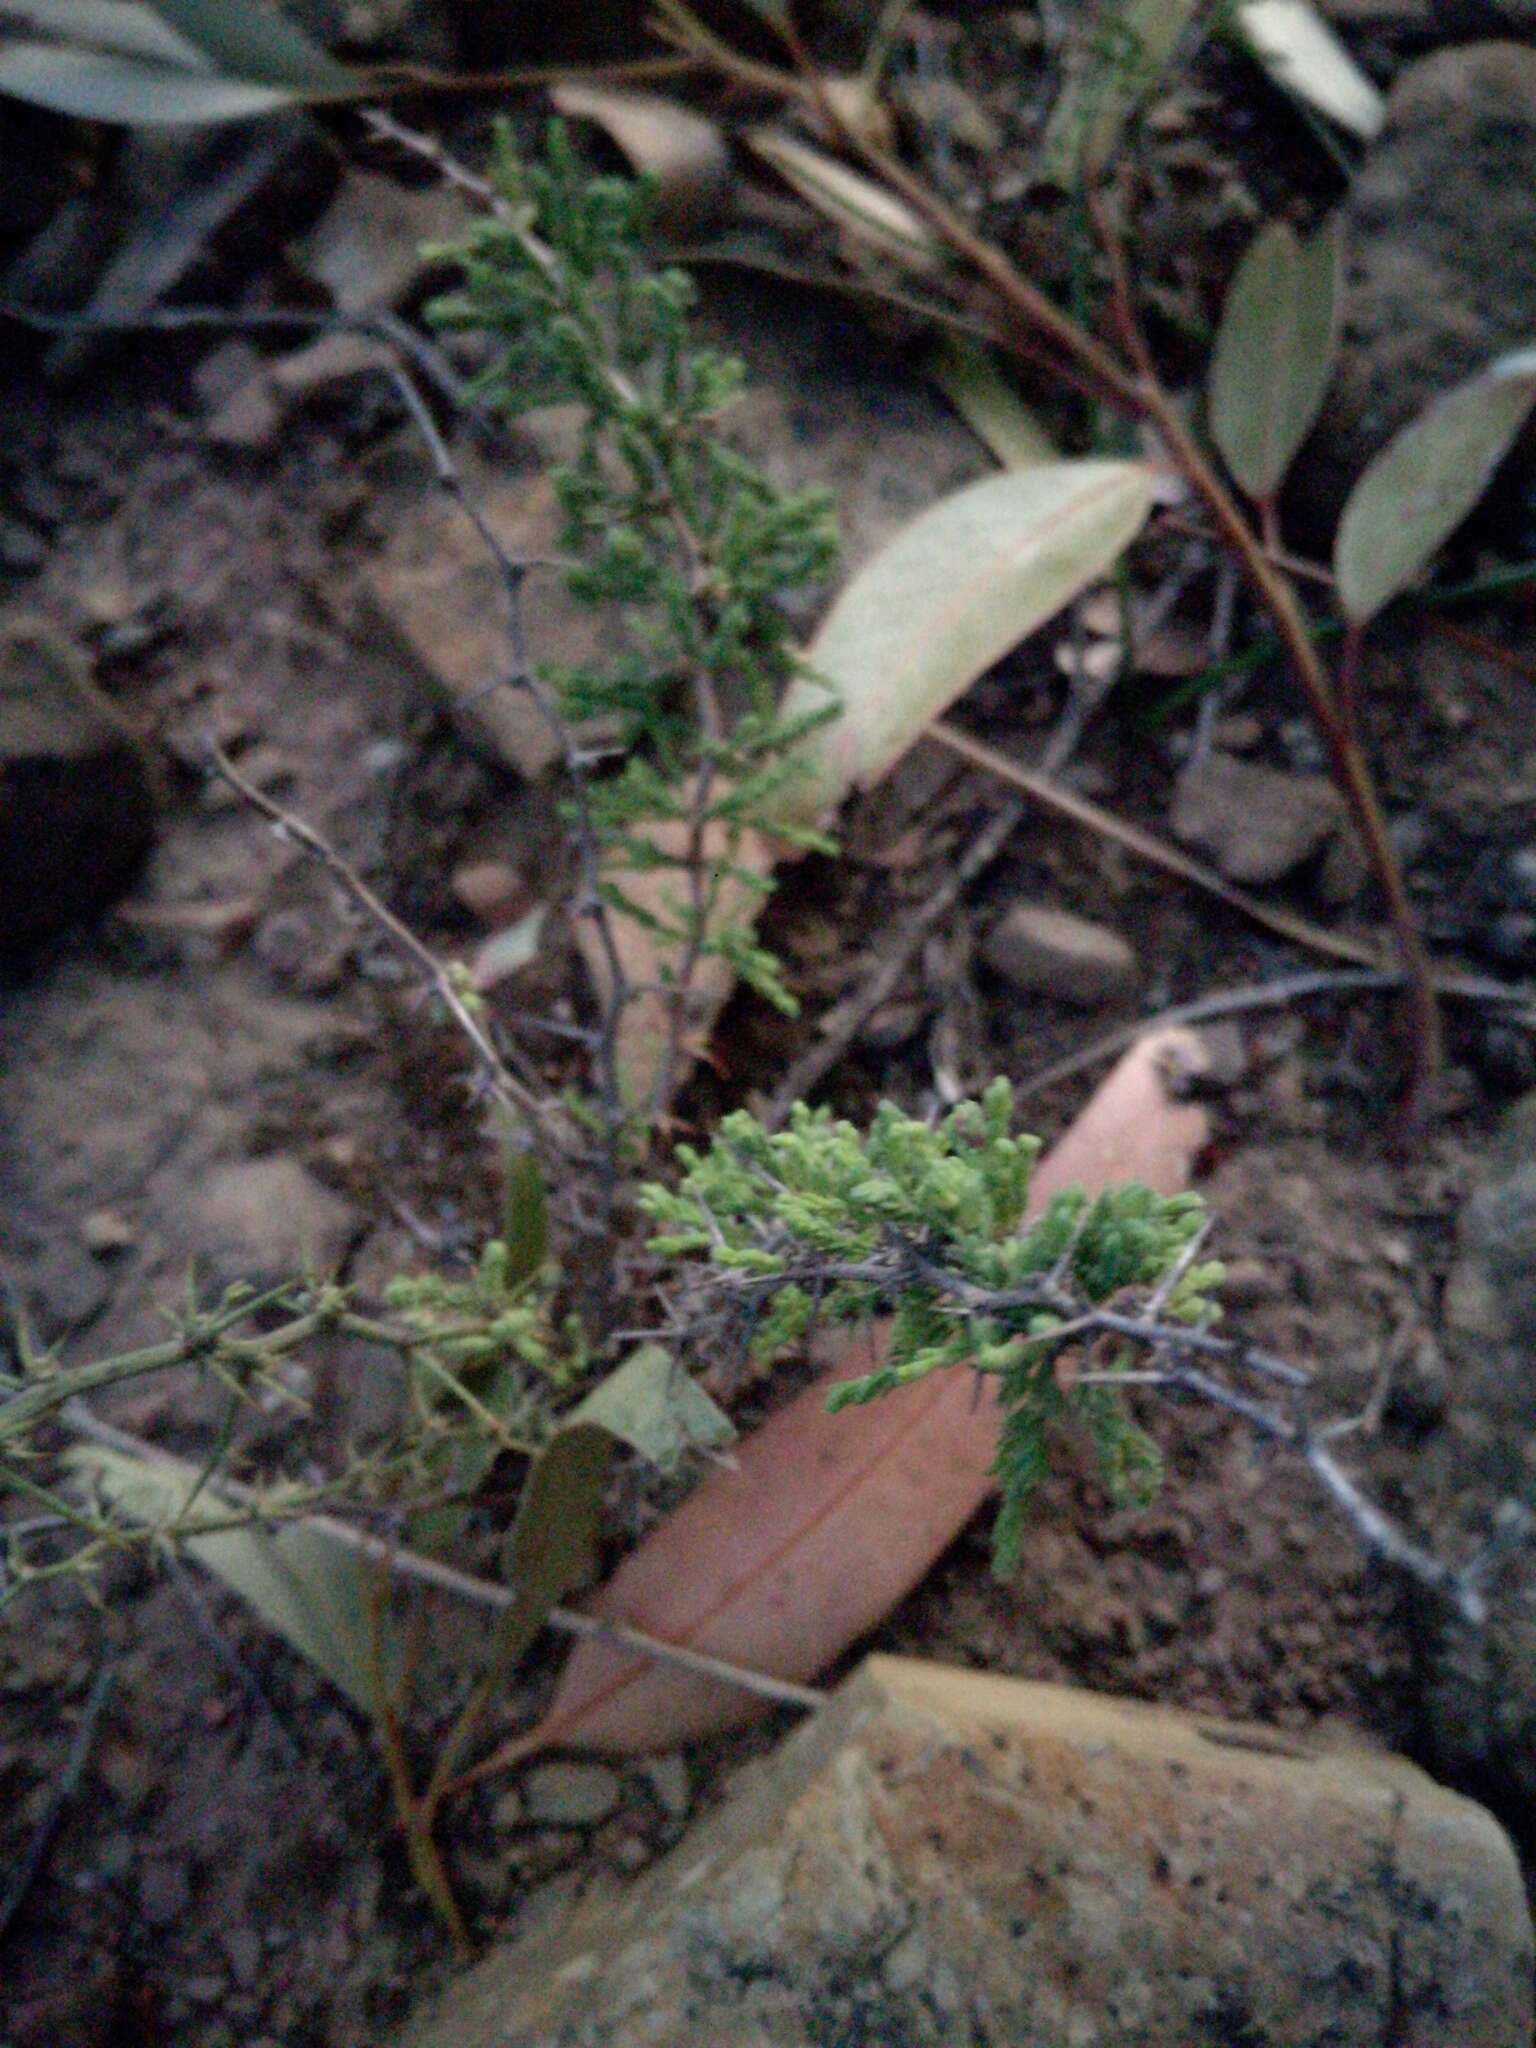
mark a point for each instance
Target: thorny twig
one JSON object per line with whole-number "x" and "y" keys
{"x": 487, "y": 1593}
{"x": 1267, "y": 995}
{"x": 1179, "y": 1357}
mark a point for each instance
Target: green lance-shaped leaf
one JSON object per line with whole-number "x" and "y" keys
{"x": 246, "y": 39}
{"x": 303, "y": 1581}
{"x": 524, "y": 1211}
{"x": 651, "y": 1404}
{"x": 100, "y": 85}
{"x": 970, "y": 378}
{"x": 173, "y": 63}
{"x": 1274, "y": 353}
{"x": 1421, "y": 486}
{"x": 948, "y": 596}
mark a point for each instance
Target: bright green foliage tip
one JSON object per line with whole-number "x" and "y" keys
{"x": 926, "y": 1224}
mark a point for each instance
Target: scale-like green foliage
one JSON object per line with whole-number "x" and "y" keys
{"x": 926, "y": 1223}
{"x": 662, "y": 518}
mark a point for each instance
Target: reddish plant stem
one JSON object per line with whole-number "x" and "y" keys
{"x": 1140, "y": 393}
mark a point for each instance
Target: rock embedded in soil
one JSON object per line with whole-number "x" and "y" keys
{"x": 76, "y": 793}
{"x": 439, "y": 601}
{"x": 1442, "y": 262}
{"x": 571, "y": 1795}
{"x": 942, "y": 1855}
{"x": 1257, "y": 824}
{"x": 1048, "y": 952}
{"x": 365, "y": 249}
{"x": 268, "y": 1220}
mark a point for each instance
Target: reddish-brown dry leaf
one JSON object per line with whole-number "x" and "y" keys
{"x": 826, "y": 1522}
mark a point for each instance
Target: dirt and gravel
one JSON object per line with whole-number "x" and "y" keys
{"x": 225, "y": 1073}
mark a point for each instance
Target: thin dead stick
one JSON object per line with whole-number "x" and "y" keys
{"x": 841, "y": 1023}
{"x": 1269, "y": 995}
{"x": 1056, "y": 797}
{"x": 520, "y": 1102}
{"x": 407, "y": 1564}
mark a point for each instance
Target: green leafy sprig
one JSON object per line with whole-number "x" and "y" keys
{"x": 662, "y": 518}
{"x": 926, "y": 1223}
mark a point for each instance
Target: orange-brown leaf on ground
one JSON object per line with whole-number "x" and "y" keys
{"x": 827, "y": 1521}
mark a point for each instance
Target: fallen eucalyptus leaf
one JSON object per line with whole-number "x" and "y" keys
{"x": 1421, "y": 486}
{"x": 1274, "y": 352}
{"x": 300, "y": 1580}
{"x": 683, "y": 152}
{"x": 948, "y": 596}
{"x": 826, "y": 1522}
{"x": 1301, "y": 53}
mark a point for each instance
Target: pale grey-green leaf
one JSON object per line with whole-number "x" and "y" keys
{"x": 1418, "y": 490}
{"x": 658, "y": 1409}
{"x": 953, "y": 591}
{"x": 249, "y": 40}
{"x": 130, "y": 27}
{"x": 1274, "y": 353}
{"x": 96, "y": 85}
{"x": 300, "y": 1579}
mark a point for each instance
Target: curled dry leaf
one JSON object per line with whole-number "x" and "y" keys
{"x": 1418, "y": 490}
{"x": 827, "y": 1521}
{"x": 682, "y": 151}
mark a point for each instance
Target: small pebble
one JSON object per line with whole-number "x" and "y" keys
{"x": 571, "y": 1795}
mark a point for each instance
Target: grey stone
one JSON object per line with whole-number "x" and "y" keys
{"x": 439, "y": 602}
{"x": 570, "y": 1795}
{"x": 76, "y": 794}
{"x": 1051, "y": 952}
{"x": 1442, "y": 262}
{"x": 1257, "y": 824}
{"x": 267, "y": 1220}
{"x": 366, "y": 247}
{"x": 944, "y": 1856}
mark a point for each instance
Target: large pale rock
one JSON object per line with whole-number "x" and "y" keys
{"x": 944, "y": 1857}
